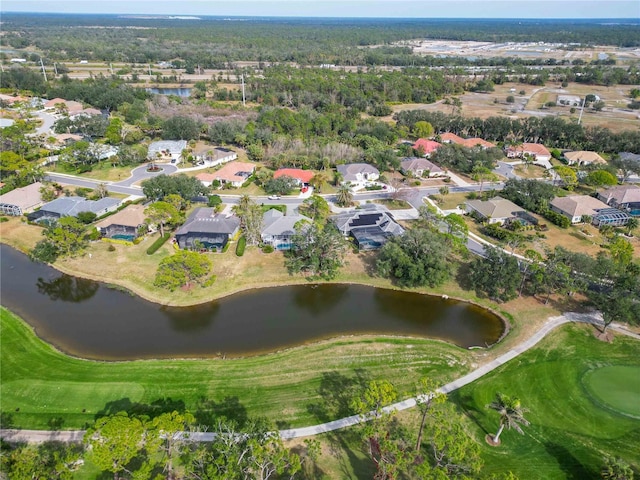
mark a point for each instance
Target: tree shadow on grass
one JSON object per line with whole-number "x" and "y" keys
{"x": 570, "y": 465}
{"x": 341, "y": 447}
{"x": 209, "y": 412}
{"x": 463, "y": 275}
{"x": 336, "y": 392}
{"x": 151, "y": 410}
{"x": 468, "y": 407}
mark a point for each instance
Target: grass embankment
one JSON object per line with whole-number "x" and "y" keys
{"x": 569, "y": 432}
{"x": 41, "y": 387}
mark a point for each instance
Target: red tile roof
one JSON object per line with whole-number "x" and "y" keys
{"x": 303, "y": 175}
{"x": 449, "y": 137}
{"x": 429, "y": 146}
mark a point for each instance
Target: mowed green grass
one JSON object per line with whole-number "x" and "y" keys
{"x": 41, "y": 387}
{"x": 618, "y": 387}
{"x": 570, "y": 433}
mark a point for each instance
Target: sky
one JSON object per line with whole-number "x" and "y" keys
{"x": 346, "y": 8}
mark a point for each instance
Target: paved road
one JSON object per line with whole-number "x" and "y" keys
{"x": 40, "y": 436}
{"x": 47, "y": 122}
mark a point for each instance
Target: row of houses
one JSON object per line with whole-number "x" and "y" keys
{"x": 369, "y": 226}
{"x": 612, "y": 207}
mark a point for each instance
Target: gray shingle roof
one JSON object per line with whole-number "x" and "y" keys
{"x": 72, "y": 206}
{"x": 412, "y": 164}
{"x": 275, "y": 222}
{"x": 497, "y": 207}
{"x": 350, "y": 170}
{"x": 205, "y": 220}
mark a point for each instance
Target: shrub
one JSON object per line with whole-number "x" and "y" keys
{"x": 209, "y": 281}
{"x": 158, "y": 243}
{"x": 3, "y": 219}
{"x": 267, "y": 249}
{"x": 86, "y": 217}
{"x": 556, "y": 218}
{"x": 111, "y": 247}
{"x": 214, "y": 200}
{"x": 511, "y": 99}
{"x": 242, "y": 244}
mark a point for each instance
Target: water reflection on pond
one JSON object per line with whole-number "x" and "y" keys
{"x": 87, "y": 319}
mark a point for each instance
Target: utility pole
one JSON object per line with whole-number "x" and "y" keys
{"x": 111, "y": 66}
{"x": 243, "y": 97}
{"x": 55, "y": 69}
{"x": 149, "y": 70}
{"x": 44, "y": 72}
{"x": 582, "y": 110}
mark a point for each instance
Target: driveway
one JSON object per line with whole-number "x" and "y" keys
{"x": 140, "y": 173}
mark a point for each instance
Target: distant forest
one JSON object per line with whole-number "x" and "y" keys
{"x": 217, "y": 43}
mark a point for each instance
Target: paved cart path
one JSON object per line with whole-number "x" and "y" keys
{"x": 40, "y": 436}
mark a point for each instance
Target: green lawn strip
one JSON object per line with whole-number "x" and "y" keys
{"x": 569, "y": 433}
{"x": 41, "y": 387}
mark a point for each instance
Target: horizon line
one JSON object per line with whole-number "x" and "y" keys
{"x": 196, "y": 15}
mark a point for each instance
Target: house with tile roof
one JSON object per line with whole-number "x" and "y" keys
{"x": 21, "y": 200}
{"x": 370, "y": 226}
{"x": 125, "y": 224}
{"x": 582, "y": 157}
{"x": 496, "y": 210}
{"x": 576, "y": 207}
{"x": 234, "y": 173}
{"x": 302, "y": 176}
{"x": 206, "y": 229}
{"x": 623, "y": 197}
{"x": 426, "y": 146}
{"x": 421, "y": 167}
{"x": 448, "y": 137}
{"x": 358, "y": 174}
{"x": 278, "y": 229}
{"x": 536, "y": 150}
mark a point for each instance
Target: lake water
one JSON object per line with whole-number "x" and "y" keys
{"x": 88, "y": 319}
{"x": 180, "y": 92}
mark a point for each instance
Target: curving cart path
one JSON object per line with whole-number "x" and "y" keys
{"x": 41, "y": 436}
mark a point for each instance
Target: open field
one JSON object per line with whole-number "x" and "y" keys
{"x": 614, "y": 116}
{"x": 569, "y": 433}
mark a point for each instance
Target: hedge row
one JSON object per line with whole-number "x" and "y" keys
{"x": 157, "y": 244}
{"x": 242, "y": 243}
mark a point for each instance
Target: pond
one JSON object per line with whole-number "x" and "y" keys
{"x": 180, "y": 92}
{"x": 88, "y": 319}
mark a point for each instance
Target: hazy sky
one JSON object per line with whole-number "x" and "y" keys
{"x": 347, "y": 8}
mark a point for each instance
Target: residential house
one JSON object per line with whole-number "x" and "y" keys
{"x": 233, "y": 173}
{"x": 302, "y": 176}
{"x": 421, "y": 167}
{"x": 69, "y": 106}
{"x": 448, "y": 137}
{"x": 206, "y": 229}
{"x": 536, "y": 150}
{"x": 358, "y": 174}
{"x": 212, "y": 156}
{"x": 71, "y": 207}
{"x": 166, "y": 150}
{"x": 576, "y": 207}
{"x": 10, "y": 99}
{"x": 21, "y": 200}
{"x": 582, "y": 157}
{"x": 569, "y": 100}
{"x": 278, "y": 229}
{"x": 125, "y": 224}
{"x": 497, "y": 210}
{"x": 478, "y": 142}
{"x": 623, "y": 197}
{"x": 370, "y": 226}
{"x": 465, "y": 142}
{"x": 426, "y": 146}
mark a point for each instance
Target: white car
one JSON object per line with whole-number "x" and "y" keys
{"x": 274, "y": 197}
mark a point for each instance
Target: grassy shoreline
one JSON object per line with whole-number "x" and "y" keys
{"x": 42, "y": 387}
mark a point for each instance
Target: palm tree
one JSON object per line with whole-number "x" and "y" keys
{"x": 344, "y": 196}
{"x": 511, "y": 414}
{"x": 632, "y": 224}
{"x": 319, "y": 179}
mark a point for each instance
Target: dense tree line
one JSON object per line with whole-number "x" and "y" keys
{"x": 304, "y": 41}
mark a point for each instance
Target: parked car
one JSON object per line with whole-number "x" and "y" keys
{"x": 274, "y": 197}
